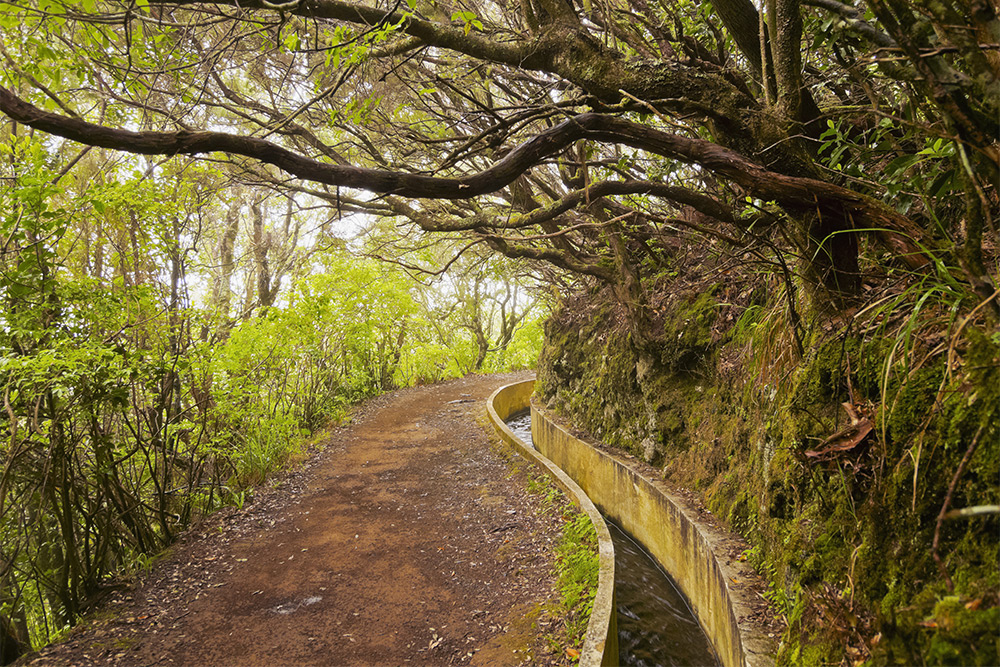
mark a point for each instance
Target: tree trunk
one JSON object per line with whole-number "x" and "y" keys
{"x": 11, "y": 644}
{"x": 222, "y": 281}
{"x": 261, "y": 247}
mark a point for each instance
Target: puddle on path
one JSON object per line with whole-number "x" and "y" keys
{"x": 292, "y": 607}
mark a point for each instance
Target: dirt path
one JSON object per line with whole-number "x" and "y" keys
{"x": 405, "y": 541}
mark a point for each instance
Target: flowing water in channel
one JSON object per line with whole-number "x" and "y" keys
{"x": 656, "y": 627}
{"x": 520, "y": 424}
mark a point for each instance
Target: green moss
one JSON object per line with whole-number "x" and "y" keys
{"x": 963, "y": 635}
{"x": 912, "y": 402}
{"x": 731, "y": 415}
{"x": 690, "y": 326}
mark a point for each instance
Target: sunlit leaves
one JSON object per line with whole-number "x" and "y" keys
{"x": 348, "y": 46}
{"x": 902, "y": 174}
{"x": 468, "y": 21}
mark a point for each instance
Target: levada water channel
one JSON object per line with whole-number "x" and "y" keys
{"x": 656, "y": 627}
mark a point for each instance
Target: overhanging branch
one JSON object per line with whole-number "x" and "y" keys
{"x": 896, "y": 232}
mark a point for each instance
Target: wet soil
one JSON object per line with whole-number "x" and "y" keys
{"x": 406, "y": 540}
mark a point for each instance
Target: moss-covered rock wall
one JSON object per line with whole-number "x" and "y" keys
{"x": 842, "y": 454}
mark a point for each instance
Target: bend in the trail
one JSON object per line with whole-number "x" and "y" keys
{"x": 406, "y": 541}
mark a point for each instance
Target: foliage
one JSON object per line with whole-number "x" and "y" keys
{"x": 577, "y": 568}
{"x": 865, "y": 550}
{"x": 128, "y": 410}
{"x": 666, "y": 168}
{"x": 577, "y": 563}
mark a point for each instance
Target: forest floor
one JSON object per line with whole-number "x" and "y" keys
{"x": 404, "y": 539}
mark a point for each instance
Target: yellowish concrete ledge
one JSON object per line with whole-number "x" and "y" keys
{"x": 699, "y": 556}
{"x": 600, "y": 645}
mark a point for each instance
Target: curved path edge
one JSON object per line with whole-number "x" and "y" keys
{"x": 701, "y": 557}
{"x": 600, "y": 645}
{"x": 403, "y": 537}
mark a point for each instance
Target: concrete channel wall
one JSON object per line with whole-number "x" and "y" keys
{"x": 600, "y": 644}
{"x": 698, "y": 556}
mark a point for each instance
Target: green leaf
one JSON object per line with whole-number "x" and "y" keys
{"x": 902, "y": 163}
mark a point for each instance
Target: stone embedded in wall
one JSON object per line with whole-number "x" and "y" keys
{"x": 652, "y": 451}
{"x": 643, "y": 366}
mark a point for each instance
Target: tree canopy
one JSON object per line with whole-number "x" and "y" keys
{"x": 580, "y": 134}
{"x": 847, "y": 151}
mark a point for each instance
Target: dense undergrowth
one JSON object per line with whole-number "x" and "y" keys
{"x": 862, "y": 469}
{"x": 131, "y": 407}
{"x": 577, "y": 567}
{"x": 822, "y": 367}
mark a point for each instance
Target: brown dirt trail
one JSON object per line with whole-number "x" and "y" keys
{"x": 405, "y": 541}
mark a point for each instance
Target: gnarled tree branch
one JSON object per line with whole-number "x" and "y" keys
{"x": 856, "y": 211}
